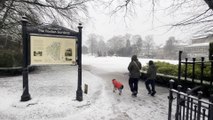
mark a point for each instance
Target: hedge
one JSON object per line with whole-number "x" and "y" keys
{"x": 171, "y": 69}
{"x": 10, "y": 59}
{"x": 10, "y": 62}
{"x": 166, "y": 72}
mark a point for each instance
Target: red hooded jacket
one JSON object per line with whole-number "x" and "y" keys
{"x": 116, "y": 84}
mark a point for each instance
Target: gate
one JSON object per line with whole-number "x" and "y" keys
{"x": 187, "y": 106}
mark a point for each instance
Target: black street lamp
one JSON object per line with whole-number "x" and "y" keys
{"x": 79, "y": 93}
{"x": 25, "y": 96}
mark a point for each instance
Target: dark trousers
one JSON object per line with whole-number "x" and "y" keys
{"x": 133, "y": 84}
{"x": 152, "y": 83}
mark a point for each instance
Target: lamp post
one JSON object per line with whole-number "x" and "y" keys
{"x": 25, "y": 96}
{"x": 79, "y": 92}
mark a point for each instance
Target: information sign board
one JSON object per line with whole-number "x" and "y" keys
{"x": 46, "y": 50}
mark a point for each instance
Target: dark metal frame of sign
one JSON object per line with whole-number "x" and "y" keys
{"x": 51, "y": 31}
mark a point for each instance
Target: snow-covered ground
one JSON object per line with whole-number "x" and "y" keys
{"x": 53, "y": 92}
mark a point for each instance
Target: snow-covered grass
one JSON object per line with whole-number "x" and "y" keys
{"x": 53, "y": 91}
{"x": 118, "y": 64}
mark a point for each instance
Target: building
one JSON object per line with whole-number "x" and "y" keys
{"x": 199, "y": 48}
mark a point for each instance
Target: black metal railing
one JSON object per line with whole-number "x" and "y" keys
{"x": 202, "y": 63}
{"x": 188, "y": 107}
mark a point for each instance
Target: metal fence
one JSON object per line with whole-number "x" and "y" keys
{"x": 202, "y": 63}
{"x": 184, "y": 106}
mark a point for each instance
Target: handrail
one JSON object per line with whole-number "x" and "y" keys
{"x": 190, "y": 96}
{"x": 193, "y": 89}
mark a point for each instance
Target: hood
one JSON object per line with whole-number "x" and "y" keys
{"x": 134, "y": 58}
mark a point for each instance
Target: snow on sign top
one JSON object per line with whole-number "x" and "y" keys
{"x": 51, "y": 29}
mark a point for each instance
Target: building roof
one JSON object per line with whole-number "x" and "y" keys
{"x": 198, "y": 44}
{"x": 203, "y": 35}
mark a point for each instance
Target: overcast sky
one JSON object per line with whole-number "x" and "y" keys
{"x": 141, "y": 23}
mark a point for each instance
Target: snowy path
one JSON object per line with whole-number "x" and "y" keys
{"x": 127, "y": 108}
{"x": 53, "y": 91}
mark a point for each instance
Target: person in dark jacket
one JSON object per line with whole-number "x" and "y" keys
{"x": 134, "y": 74}
{"x": 151, "y": 77}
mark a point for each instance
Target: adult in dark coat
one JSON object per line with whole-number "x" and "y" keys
{"x": 134, "y": 74}
{"x": 151, "y": 77}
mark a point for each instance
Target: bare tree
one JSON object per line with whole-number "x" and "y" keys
{"x": 196, "y": 15}
{"x": 136, "y": 44}
{"x": 148, "y": 45}
{"x": 199, "y": 12}
{"x": 128, "y": 48}
{"x": 114, "y": 44}
{"x": 84, "y": 49}
{"x": 39, "y": 11}
{"x": 93, "y": 43}
{"x": 102, "y": 48}
{"x": 170, "y": 48}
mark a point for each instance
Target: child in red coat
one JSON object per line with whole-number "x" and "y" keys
{"x": 117, "y": 85}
